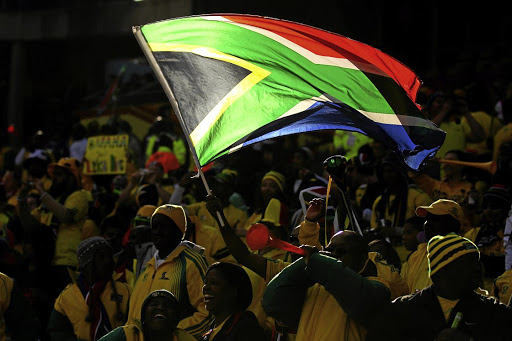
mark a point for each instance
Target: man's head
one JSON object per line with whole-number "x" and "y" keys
{"x": 451, "y": 170}
{"x": 223, "y": 184}
{"x": 349, "y": 247}
{"x": 36, "y": 163}
{"x": 392, "y": 170}
{"x": 95, "y": 258}
{"x": 496, "y": 204}
{"x": 412, "y": 227}
{"x": 272, "y": 185}
{"x": 159, "y": 312}
{"x": 441, "y": 217}
{"x": 146, "y": 194}
{"x": 65, "y": 175}
{"x": 454, "y": 265}
{"x": 168, "y": 224}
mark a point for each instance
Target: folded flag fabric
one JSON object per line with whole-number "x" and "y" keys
{"x": 241, "y": 79}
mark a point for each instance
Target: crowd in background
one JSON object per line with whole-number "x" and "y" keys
{"x": 82, "y": 255}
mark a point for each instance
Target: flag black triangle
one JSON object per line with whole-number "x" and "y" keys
{"x": 198, "y": 83}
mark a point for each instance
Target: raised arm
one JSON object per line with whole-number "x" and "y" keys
{"x": 236, "y": 246}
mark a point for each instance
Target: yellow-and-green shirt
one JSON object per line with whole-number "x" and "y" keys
{"x": 182, "y": 273}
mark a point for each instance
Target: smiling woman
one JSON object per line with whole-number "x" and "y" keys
{"x": 227, "y": 294}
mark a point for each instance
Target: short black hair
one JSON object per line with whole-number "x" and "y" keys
{"x": 236, "y": 276}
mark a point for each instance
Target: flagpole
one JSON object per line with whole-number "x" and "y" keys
{"x": 170, "y": 96}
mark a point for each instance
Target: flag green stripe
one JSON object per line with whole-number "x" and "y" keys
{"x": 293, "y": 78}
{"x": 291, "y": 71}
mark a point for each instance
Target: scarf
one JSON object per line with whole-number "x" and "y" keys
{"x": 98, "y": 318}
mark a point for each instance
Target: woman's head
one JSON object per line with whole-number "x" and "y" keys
{"x": 272, "y": 185}
{"x": 226, "y": 289}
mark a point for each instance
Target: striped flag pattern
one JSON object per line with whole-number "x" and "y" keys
{"x": 240, "y": 79}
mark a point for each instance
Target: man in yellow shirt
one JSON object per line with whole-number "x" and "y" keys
{"x": 442, "y": 217}
{"x": 329, "y": 296}
{"x": 450, "y": 309}
{"x": 177, "y": 266}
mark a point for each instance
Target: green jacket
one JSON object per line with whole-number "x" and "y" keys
{"x": 309, "y": 290}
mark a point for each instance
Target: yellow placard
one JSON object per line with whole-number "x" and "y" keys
{"x": 106, "y": 154}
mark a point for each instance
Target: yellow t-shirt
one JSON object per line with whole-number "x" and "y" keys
{"x": 217, "y": 329}
{"x": 415, "y": 270}
{"x": 68, "y": 235}
{"x": 503, "y": 287}
{"x": 446, "y": 306}
{"x": 490, "y": 125}
{"x": 6, "y": 285}
{"x": 504, "y": 135}
{"x": 415, "y": 198}
{"x": 456, "y": 134}
{"x": 235, "y": 216}
{"x": 71, "y": 303}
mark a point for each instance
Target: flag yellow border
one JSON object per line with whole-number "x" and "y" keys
{"x": 257, "y": 75}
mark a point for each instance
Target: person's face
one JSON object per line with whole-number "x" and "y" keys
{"x": 437, "y": 104}
{"x": 219, "y": 295}
{"x": 9, "y": 181}
{"x": 222, "y": 191}
{"x": 103, "y": 263}
{"x": 269, "y": 189}
{"x": 494, "y": 213}
{"x": 435, "y": 225}
{"x": 450, "y": 170}
{"x": 390, "y": 176}
{"x": 114, "y": 237}
{"x": 409, "y": 237}
{"x": 139, "y": 236}
{"x": 352, "y": 176}
{"x": 298, "y": 160}
{"x": 61, "y": 180}
{"x": 164, "y": 234}
{"x": 378, "y": 149}
{"x": 459, "y": 277}
{"x": 341, "y": 247}
{"x": 160, "y": 314}
{"x": 37, "y": 169}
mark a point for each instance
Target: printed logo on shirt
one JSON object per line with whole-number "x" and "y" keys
{"x": 145, "y": 277}
{"x": 163, "y": 275}
{"x": 116, "y": 298}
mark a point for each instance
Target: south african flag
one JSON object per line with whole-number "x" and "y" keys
{"x": 239, "y": 79}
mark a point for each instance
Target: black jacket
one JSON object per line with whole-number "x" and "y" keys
{"x": 419, "y": 317}
{"x": 243, "y": 326}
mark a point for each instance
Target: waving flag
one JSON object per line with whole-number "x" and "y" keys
{"x": 239, "y": 79}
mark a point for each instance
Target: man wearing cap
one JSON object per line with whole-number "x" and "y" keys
{"x": 94, "y": 303}
{"x": 177, "y": 266}
{"x": 449, "y": 309}
{"x": 159, "y": 320}
{"x": 441, "y": 218}
{"x": 64, "y": 209}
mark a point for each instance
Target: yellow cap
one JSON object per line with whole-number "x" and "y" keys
{"x": 441, "y": 207}
{"x": 175, "y": 212}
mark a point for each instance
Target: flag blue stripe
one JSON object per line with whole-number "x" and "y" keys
{"x": 332, "y": 116}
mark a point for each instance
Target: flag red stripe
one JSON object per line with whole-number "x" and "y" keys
{"x": 329, "y": 44}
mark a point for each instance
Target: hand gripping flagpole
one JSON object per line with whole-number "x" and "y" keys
{"x": 160, "y": 76}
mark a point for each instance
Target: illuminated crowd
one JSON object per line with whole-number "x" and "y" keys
{"x": 386, "y": 253}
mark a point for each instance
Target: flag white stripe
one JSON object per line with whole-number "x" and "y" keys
{"x": 314, "y": 58}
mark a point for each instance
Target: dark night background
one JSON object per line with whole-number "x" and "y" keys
{"x": 440, "y": 41}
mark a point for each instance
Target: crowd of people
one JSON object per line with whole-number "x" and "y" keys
{"x": 388, "y": 253}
